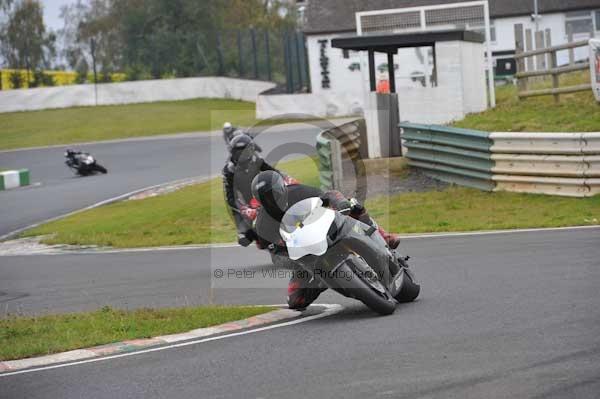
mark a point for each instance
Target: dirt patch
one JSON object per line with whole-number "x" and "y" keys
{"x": 387, "y": 177}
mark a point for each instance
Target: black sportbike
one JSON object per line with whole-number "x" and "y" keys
{"x": 83, "y": 163}
{"x": 347, "y": 256}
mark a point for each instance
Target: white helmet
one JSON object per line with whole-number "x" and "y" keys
{"x": 227, "y": 132}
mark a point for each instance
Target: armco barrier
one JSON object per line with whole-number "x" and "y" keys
{"x": 459, "y": 156}
{"x": 14, "y": 178}
{"x": 565, "y": 164}
{"x": 325, "y": 162}
{"x": 336, "y": 145}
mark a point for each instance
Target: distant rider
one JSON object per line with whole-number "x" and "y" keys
{"x": 243, "y": 165}
{"x": 229, "y": 132}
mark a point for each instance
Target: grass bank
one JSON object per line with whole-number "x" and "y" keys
{"x": 23, "y": 337}
{"x": 192, "y": 215}
{"x": 577, "y": 112}
{"x": 465, "y": 209}
{"x": 84, "y": 124}
{"x": 197, "y": 214}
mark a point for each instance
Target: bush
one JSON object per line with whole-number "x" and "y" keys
{"x": 40, "y": 78}
{"x": 105, "y": 77}
{"x": 80, "y": 78}
{"x": 16, "y": 80}
{"x": 137, "y": 72}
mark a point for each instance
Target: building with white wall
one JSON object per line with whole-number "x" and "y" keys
{"x": 336, "y": 74}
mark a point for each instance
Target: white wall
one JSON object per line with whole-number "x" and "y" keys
{"x": 461, "y": 86}
{"x": 348, "y": 81}
{"x": 131, "y": 92}
{"x": 461, "y": 89}
{"x": 505, "y": 34}
{"x": 323, "y": 105}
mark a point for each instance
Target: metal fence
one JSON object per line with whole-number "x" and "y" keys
{"x": 278, "y": 56}
{"x": 565, "y": 164}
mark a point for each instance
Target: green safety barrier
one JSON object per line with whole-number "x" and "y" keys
{"x": 454, "y": 155}
{"x": 325, "y": 162}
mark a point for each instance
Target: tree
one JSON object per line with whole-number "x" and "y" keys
{"x": 90, "y": 37}
{"x": 25, "y": 42}
{"x": 157, "y": 38}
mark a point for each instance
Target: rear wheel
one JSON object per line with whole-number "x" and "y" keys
{"x": 409, "y": 289}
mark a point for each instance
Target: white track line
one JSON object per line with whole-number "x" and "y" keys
{"x": 233, "y": 245}
{"x": 186, "y": 135}
{"x": 492, "y": 232}
{"x": 330, "y": 309}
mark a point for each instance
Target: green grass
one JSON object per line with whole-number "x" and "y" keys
{"x": 84, "y": 124}
{"x": 578, "y": 112}
{"x": 22, "y": 337}
{"x": 192, "y": 215}
{"x": 197, "y": 214}
{"x": 465, "y": 209}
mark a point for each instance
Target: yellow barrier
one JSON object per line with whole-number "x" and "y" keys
{"x": 61, "y": 78}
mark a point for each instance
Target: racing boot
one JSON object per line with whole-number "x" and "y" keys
{"x": 303, "y": 290}
{"x": 392, "y": 240}
{"x": 361, "y": 214}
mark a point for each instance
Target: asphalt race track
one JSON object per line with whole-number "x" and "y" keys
{"x": 500, "y": 316}
{"x": 132, "y": 165}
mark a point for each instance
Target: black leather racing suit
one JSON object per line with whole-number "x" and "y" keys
{"x": 237, "y": 181}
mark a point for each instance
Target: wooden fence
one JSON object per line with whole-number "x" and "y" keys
{"x": 545, "y": 63}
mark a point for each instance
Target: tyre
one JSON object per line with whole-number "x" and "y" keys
{"x": 367, "y": 290}
{"x": 101, "y": 169}
{"x": 409, "y": 289}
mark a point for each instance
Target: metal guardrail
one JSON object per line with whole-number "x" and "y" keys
{"x": 454, "y": 155}
{"x": 549, "y": 163}
{"x": 336, "y": 145}
{"x": 325, "y": 162}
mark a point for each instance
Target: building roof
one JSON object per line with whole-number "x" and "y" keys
{"x": 391, "y": 43}
{"x": 329, "y": 16}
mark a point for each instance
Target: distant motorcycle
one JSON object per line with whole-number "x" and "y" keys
{"x": 82, "y": 163}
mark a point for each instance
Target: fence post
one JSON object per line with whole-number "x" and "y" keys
{"x": 570, "y": 40}
{"x": 0, "y": 79}
{"x": 289, "y": 72}
{"x": 298, "y": 60}
{"x": 93, "y": 51}
{"x": 552, "y": 64}
{"x": 240, "y": 54}
{"x": 220, "y": 54}
{"x": 521, "y": 82}
{"x": 254, "y": 55}
{"x": 548, "y": 43}
{"x": 268, "y": 55}
{"x": 528, "y": 47}
{"x": 540, "y": 60}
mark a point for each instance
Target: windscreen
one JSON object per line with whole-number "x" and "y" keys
{"x": 299, "y": 214}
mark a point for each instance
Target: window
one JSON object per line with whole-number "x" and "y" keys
{"x": 579, "y": 22}
{"x": 597, "y": 13}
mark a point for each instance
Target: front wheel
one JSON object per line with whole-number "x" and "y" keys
{"x": 101, "y": 169}
{"x": 409, "y": 289}
{"x": 364, "y": 287}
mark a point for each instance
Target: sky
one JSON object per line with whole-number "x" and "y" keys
{"x": 52, "y": 13}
